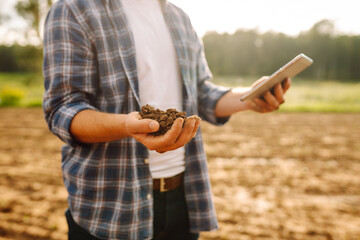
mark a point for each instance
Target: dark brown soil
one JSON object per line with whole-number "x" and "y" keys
{"x": 164, "y": 118}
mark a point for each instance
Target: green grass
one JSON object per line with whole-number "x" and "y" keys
{"x": 26, "y": 88}
{"x": 311, "y": 95}
{"x": 324, "y": 96}
{"x": 303, "y": 96}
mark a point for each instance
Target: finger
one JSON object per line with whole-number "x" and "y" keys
{"x": 197, "y": 125}
{"x": 262, "y": 106}
{"x": 187, "y": 132}
{"x": 257, "y": 82}
{"x": 134, "y": 124}
{"x": 162, "y": 141}
{"x": 279, "y": 93}
{"x": 184, "y": 137}
{"x": 271, "y": 100}
{"x": 180, "y": 141}
{"x": 172, "y": 135}
{"x": 286, "y": 84}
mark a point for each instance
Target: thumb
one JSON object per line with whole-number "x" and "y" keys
{"x": 134, "y": 124}
{"x": 257, "y": 82}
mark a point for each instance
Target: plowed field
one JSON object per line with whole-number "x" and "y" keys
{"x": 274, "y": 176}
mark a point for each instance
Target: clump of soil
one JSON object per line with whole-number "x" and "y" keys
{"x": 164, "y": 118}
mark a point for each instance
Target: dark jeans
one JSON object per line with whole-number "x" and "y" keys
{"x": 170, "y": 219}
{"x": 75, "y": 231}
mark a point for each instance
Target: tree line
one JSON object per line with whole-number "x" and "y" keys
{"x": 18, "y": 58}
{"x": 248, "y": 52}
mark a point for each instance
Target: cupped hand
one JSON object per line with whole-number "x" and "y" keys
{"x": 270, "y": 100}
{"x": 176, "y": 137}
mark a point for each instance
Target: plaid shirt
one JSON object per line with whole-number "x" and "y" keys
{"x": 89, "y": 63}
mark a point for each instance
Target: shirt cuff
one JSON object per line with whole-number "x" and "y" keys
{"x": 62, "y": 120}
{"x": 219, "y": 121}
{"x": 213, "y": 95}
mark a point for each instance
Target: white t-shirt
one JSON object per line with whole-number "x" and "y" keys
{"x": 158, "y": 72}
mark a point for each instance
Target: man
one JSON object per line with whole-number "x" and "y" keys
{"x": 103, "y": 60}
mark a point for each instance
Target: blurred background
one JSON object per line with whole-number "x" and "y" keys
{"x": 243, "y": 41}
{"x": 294, "y": 174}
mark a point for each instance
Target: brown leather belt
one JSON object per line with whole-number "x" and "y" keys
{"x": 166, "y": 184}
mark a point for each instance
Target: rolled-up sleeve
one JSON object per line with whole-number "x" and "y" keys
{"x": 69, "y": 69}
{"x": 208, "y": 92}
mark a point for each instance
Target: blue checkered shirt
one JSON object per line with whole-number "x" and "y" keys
{"x": 89, "y": 63}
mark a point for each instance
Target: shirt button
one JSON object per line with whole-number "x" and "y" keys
{"x": 146, "y": 161}
{"x": 148, "y": 197}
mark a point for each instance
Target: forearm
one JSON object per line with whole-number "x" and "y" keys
{"x": 269, "y": 101}
{"x": 230, "y": 103}
{"x": 89, "y": 126}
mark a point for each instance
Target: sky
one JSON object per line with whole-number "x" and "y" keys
{"x": 289, "y": 17}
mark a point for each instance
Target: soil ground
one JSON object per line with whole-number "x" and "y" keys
{"x": 274, "y": 176}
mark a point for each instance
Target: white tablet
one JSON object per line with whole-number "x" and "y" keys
{"x": 291, "y": 69}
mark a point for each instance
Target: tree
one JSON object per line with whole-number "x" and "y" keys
{"x": 33, "y": 11}
{"x": 248, "y": 52}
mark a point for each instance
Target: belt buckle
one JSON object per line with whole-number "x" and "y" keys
{"x": 162, "y": 185}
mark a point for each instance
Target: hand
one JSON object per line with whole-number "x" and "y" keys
{"x": 270, "y": 100}
{"x": 176, "y": 137}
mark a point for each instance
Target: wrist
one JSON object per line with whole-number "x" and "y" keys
{"x": 248, "y": 105}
